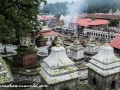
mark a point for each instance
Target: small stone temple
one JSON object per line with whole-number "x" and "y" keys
{"x": 5, "y": 73}
{"x": 77, "y": 50}
{"x": 91, "y": 47}
{"x": 104, "y": 70}
{"x": 58, "y": 71}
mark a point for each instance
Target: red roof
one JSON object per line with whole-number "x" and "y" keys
{"x": 48, "y": 33}
{"x": 115, "y": 42}
{"x": 46, "y": 18}
{"x": 89, "y": 22}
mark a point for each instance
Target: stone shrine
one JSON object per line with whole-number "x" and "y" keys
{"x": 5, "y": 73}
{"x": 58, "y": 71}
{"x": 91, "y": 47}
{"x": 76, "y": 50}
{"x": 104, "y": 70}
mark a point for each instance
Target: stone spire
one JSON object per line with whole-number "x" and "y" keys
{"x": 76, "y": 50}
{"x": 55, "y": 42}
{"x": 104, "y": 69}
{"x": 91, "y": 47}
{"x": 117, "y": 12}
{"x": 91, "y": 40}
{"x": 105, "y": 62}
{"x": 106, "y": 43}
{"x": 58, "y": 44}
{"x": 57, "y": 67}
{"x": 76, "y": 42}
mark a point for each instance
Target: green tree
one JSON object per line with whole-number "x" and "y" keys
{"x": 56, "y": 8}
{"x": 16, "y": 17}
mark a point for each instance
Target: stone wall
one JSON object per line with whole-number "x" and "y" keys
{"x": 66, "y": 85}
{"x": 27, "y": 59}
{"x": 99, "y": 82}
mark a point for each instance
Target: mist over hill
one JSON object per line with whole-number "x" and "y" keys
{"x": 82, "y": 6}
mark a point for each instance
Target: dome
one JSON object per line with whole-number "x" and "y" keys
{"x": 57, "y": 67}
{"x": 58, "y": 58}
{"x": 105, "y": 62}
{"x": 106, "y": 54}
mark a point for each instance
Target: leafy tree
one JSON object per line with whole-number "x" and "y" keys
{"x": 114, "y": 22}
{"x": 102, "y": 6}
{"x": 56, "y": 8}
{"x": 16, "y": 17}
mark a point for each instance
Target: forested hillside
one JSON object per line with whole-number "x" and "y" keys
{"x": 92, "y": 6}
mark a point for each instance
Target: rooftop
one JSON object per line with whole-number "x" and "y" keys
{"x": 115, "y": 42}
{"x": 90, "y": 22}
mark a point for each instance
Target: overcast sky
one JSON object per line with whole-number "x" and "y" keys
{"x": 53, "y": 1}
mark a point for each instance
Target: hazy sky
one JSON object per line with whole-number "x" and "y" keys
{"x": 53, "y": 1}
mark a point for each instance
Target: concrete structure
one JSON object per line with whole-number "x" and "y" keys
{"x": 107, "y": 16}
{"x": 117, "y": 12}
{"x": 5, "y": 73}
{"x": 104, "y": 70}
{"x": 9, "y": 48}
{"x": 48, "y": 34}
{"x": 91, "y": 47}
{"x": 100, "y": 34}
{"x": 50, "y": 20}
{"x": 76, "y": 50}
{"x": 58, "y": 71}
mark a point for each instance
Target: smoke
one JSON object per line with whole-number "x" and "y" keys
{"x": 74, "y": 9}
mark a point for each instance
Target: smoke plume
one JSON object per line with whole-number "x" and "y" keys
{"x": 74, "y": 9}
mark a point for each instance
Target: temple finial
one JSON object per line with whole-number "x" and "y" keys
{"x": 106, "y": 43}
{"x": 58, "y": 42}
{"x": 76, "y": 42}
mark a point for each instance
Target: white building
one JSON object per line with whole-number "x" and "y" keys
{"x": 91, "y": 47}
{"x": 58, "y": 71}
{"x": 76, "y": 50}
{"x": 48, "y": 34}
{"x": 104, "y": 69}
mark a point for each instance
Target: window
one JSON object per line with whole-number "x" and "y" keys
{"x": 113, "y": 85}
{"x": 94, "y": 81}
{"x": 50, "y": 38}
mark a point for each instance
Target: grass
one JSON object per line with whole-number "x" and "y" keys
{"x": 83, "y": 87}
